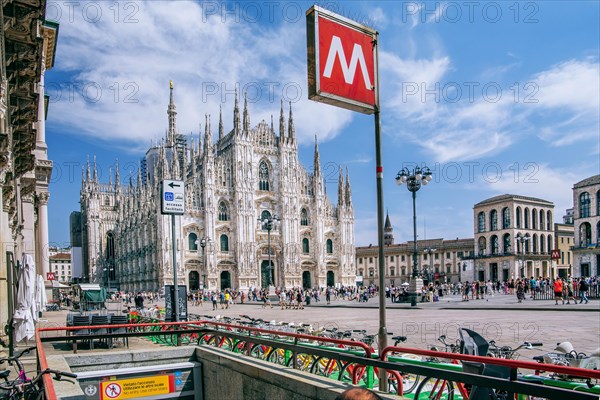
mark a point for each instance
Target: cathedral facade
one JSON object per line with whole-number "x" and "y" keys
{"x": 236, "y": 186}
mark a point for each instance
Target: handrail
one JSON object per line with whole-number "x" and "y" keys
{"x": 581, "y": 372}
{"x": 346, "y": 359}
{"x": 50, "y": 393}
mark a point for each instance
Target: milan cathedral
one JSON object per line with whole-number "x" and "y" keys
{"x": 233, "y": 185}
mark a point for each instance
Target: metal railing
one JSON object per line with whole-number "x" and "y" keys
{"x": 354, "y": 359}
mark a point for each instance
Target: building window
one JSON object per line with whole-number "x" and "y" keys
{"x": 402, "y": 258}
{"x": 448, "y": 255}
{"x": 549, "y": 220}
{"x": 585, "y": 234}
{"x": 263, "y": 176}
{"x": 506, "y": 243}
{"x": 392, "y": 271}
{"x": 550, "y": 247}
{"x": 526, "y": 218}
{"x": 303, "y": 217}
{"x": 494, "y": 220}
{"x": 542, "y": 244}
{"x": 193, "y": 242}
{"x": 371, "y": 272}
{"x": 519, "y": 217}
{"x": 528, "y": 239}
{"x": 360, "y": 260}
{"x": 482, "y": 246}
{"x": 370, "y": 260}
{"x": 481, "y": 222}
{"x": 584, "y": 205}
{"x": 224, "y": 243}
{"x": 534, "y": 219}
{"x": 305, "y": 246}
{"x": 437, "y": 256}
{"x": 223, "y": 211}
{"x": 534, "y": 245}
{"x": 598, "y": 203}
{"x": 392, "y": 258}
{"x": 542, "y": 220}
{"x": 106, "y": 201}
{"x": 360, "y": 272}
{"x": 494, "y": 244}
{"x": 505, "y": 218}
{"x": 329, "y": 246}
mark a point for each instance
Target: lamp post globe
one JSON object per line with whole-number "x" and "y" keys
{"x": 269, "y": 223}
{"x": 413, "y": 180}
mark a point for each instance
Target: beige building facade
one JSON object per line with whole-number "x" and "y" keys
{"x": 565, "y": 239}
{"x": 27, "y": 50}
{"x": 586, "y": 249}
{"x": 437, "y": 260}
{"x": 514, "y": 237}
{"x": 60, "y": 264}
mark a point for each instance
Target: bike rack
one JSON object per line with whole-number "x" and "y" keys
{"x": 345, "y": 358}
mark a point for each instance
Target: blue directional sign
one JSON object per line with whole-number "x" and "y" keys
{"x": 173, "y": 197}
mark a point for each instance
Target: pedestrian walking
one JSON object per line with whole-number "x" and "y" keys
{"x": 583, "y": 289}
{"x": 558, "y": 291}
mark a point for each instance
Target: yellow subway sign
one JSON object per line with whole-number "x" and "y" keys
{"x": 135, "y": 388}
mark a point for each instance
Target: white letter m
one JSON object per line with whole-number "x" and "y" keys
{"x": 348, "y": 70}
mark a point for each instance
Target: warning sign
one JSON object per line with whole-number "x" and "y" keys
{"x": 137, "y": 387}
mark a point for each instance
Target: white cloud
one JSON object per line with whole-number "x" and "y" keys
{"x": 126, "y": 68}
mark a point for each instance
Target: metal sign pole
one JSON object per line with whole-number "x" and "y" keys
{"x": 175, "y": 287}
{"x": 383, "y": 384}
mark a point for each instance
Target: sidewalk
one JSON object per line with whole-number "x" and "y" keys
{"x": 454, "y": 302}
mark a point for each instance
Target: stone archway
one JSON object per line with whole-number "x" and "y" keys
{"x": 330, "y": 278}
{"x": 265, "y": 271}
{"x": 225, "y": 280}
{"x": 194, "y": 280}
{"x": 306, "y": 282}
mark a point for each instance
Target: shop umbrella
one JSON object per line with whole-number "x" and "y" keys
{"x": 25, "y": 307}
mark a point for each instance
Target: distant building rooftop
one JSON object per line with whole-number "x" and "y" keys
{"x": 507, "y": 197}
{"x": 592, "y": 180}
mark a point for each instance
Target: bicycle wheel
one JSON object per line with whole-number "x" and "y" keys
{"x": 303, "y": 361}
{"x": 409, "y": 382}
{"x": 277, "y": 356}
{"x": 260, "y": 351}
{"x": 435, "y": 388}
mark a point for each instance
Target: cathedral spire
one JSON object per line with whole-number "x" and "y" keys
{"x": 172, "y": 117}
{"x": 291, "y": 129}
{"x": 246, "y": 115}
{"x": 388, "y": 231}
{"x": 220, "y": 123}
{"x": 341, "y": 192}
{"x": 95, "y": 176}
{"x": 87, "y": 172}
{"x": 207, "y": 133}
{"x": 139, "y": 177}
{"x": 317, "y": 164}
{"x": 348, "y": 189}
{"x": 117, "y": 174}
{"x": 281, "y": 122}
{"x": 236, "y": 114}
{"x": 110, "y": 183}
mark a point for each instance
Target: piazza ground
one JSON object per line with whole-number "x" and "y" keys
{"x": 498, "y": 317}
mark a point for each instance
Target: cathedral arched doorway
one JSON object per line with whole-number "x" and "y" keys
{"x": 225, "y": 280}
{"x": 330, "y": 278}
{"x": 306, "y": 280}
{"x": 265, "y": 271}
{"x": 194, "y": 280}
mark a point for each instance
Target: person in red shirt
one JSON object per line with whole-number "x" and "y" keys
{"x": 558, "y": 291}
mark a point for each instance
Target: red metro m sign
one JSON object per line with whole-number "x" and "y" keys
{"x": 342, "y": 61}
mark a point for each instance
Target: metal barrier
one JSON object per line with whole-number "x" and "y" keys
{"x": 350, "y": 362}
{"x": 547, "y": 293}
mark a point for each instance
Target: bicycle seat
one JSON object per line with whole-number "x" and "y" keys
{"x": 4, "y": 374}
{"x": 399, "y": 338}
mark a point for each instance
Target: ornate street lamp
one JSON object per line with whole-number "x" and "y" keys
{"x": 413, "y": 180}
{"x": 522, "y": 239}
{"x": 203, "y": 242}
{"x": 269, "y": 223}
{"x": 429, "y": 273}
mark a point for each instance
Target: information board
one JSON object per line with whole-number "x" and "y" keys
{"x": 173, "y": 197}
{"x": 170, "y": 305}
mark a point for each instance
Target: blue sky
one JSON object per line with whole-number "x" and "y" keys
{"x": 495, "y": 97}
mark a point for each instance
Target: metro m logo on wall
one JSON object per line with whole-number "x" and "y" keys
{"x": 342, "y": 61}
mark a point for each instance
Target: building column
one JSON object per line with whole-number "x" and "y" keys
{"x": 42, "y": 235}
